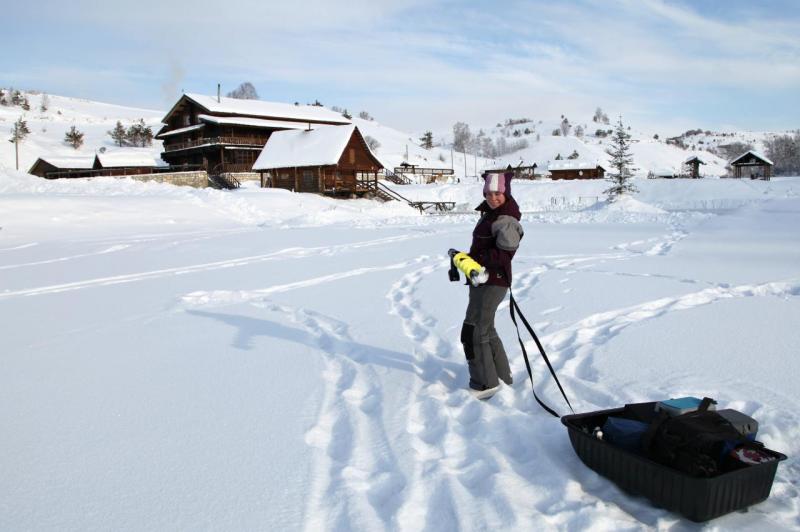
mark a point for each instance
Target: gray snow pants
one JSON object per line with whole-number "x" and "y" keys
{"x": 486, "y": 357}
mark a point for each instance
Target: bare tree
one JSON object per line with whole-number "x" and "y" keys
{"x": 372, "y": 142}
{"x": 245, "y": 91}
{"x": 784, "y": 150}
{"x": 565, "y": 127}
{"x": 462, "y": 137}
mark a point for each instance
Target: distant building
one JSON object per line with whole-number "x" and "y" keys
{"x": 663, "y": 173}
{"x": 226, "y": 135}
{"x": 332, "y": 160}
{"x": 692, "y": 165}
{"x": 753, "y": 165}
{"x": 53, "y": 167}
{"x": 575, "y": 169}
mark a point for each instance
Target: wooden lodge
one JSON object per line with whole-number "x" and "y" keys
{"x": 332, "y": 160}
{"x": 574, "y": 169}
{"x": 226, "y": 135}
{"x": 753, "y": 165}
{"x": 123, "y": 162}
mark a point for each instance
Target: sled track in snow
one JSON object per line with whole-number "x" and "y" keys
{"x": 288, "y": 253}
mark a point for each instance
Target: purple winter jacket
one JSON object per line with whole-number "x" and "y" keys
{"x": 495, "y": 239}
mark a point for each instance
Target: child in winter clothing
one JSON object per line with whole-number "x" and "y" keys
{"x": 495, "y": 239}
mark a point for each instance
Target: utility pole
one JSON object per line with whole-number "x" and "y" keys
{"x": 452, "y": 167}
{"x": 465, "y": 164}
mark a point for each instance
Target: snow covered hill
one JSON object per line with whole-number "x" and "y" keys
{"x": 48, "y": 127}
{"x": 394, "y": 147}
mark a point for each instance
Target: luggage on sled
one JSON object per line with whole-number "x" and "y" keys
{"x": 682, "y": 455}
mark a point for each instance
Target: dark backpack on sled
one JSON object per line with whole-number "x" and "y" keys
{"x": 696, "y": 443}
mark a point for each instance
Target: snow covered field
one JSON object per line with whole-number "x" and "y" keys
{"x": 194, "y": 359}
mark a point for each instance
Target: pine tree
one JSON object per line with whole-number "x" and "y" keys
{"x": 621, "y": 159}
{"x": 427, "y": 140}
{"x": 25, "y": 104}
{"x": 16, "y": 97}
{"x": 346, "y": 114}
{"x": 119, "y": 134}
{"x": 4, "y": 97}
{"x": 19, "y": 131}
{"x": 74, "y": 138}
{"x": 45, "y": 103}
{"x": 139, "y": 134}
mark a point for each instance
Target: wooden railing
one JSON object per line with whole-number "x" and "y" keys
{"x": 422, "y": 171}
{"x": 123, "y": 171}
{"x": 211, "y": 141}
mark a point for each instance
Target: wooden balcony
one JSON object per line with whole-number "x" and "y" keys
{"x": 215, "y": 141}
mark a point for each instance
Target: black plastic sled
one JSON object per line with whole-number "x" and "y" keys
{"x": 696, "y": 498}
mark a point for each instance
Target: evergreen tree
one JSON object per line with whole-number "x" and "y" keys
{"x": 3, "y": 97}
{"x": 139, "y": 134}
{"x": 16, "y": 97}
{"x": 45, "y": 103}
{"x": 74, "y": 138}
{"x": 119, "y": 134}
{"x": 346, "y": 114}
{"x": 621, "y": 159}
{"x": 25, "y": 104}
{"x": 427, "y": 140}
{"x": 19, "y": 131}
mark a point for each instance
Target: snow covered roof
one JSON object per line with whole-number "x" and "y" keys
{"x": 319, "y": 147}
{"x": 255, "y": 122}
{"x": 692, "y": 158}
{"x": 129, "y": 157}
{"x": 68, "y": 162}
{"x": 181, "y": 130}
{"x": 754, "y": 153}
{"x": 660, "y": 172}
{"x": 264, "y": 109}
{"x": 573, "y": 165}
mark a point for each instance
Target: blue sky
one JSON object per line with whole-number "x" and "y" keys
{"x": 663, "y": 65}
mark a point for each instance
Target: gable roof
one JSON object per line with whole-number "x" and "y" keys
{"x": 67, "y": 162}
{"x": 296, "y": 148}
{"x": 261, "y": 109}
{"x": 130, "y": 157}
{"x": 692, "y": 158}
{"x": 755, "y": 154}
{"x": 574, "y": 164}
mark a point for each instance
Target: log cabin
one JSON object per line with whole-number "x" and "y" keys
{"x": 225, "y": 135}
{"x": 332, "y": 160}
{"x": 575, "y": 169}
{"x": 753, "y": 165}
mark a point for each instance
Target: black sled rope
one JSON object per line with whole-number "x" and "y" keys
{"x": 512, "y": 306}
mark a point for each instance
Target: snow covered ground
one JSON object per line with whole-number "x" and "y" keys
{"x": 194, "y": 359}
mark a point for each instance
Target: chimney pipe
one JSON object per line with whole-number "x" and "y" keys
{"x": 218, "y": 88}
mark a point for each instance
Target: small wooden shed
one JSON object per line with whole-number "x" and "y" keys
{"x": 753, "y": 165}
{"x": 575, "y": 169}
{"x": 692, "y": 165}
{"x": 332, "y": 160}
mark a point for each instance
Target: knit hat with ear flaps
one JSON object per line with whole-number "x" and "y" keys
{"x": 494, "y": 182}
